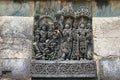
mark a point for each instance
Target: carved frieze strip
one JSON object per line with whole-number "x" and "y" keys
{"x": 40, "y": 68}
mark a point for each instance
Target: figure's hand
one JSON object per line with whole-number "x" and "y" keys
{"x": 35, "y": 43}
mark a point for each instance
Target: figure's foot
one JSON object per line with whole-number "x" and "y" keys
{"x": 81, "y": 59}
{"x": 61, "y": 59}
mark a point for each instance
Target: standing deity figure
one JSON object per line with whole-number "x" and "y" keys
{"x": 81, "y": 42}
{"x": 67, "y": 41}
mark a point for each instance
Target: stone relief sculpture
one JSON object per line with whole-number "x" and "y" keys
{"x": 66, "y": 44}
{"x": 63, "y": 44}
{"x": 66, "y": 38}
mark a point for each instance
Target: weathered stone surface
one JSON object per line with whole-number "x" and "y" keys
{"x": 106, "y": 8}
{"x": 64, "y": 79}
{"x": 107, "y": 46}
{"x": 16, "y": 27}
{"x": 18, "y": 8}
{"x": 43, "y": 6}
{"x": 15, "y": 48}
{"x": 63, "y": 69}
{"x": 15, "y": 69}
{"x": 110, "y": 69}
{"x": 106, "y": 33}
{"x": 106, "y": 27}
{"x": 16, "y": 37}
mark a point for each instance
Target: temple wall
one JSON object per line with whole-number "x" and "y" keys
{"x": 16, "y": 30}
{"x": 106, "y": 30}
{"x": 16, "y": 46}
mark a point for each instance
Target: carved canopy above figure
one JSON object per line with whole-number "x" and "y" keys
{"x": 66, "y": 35}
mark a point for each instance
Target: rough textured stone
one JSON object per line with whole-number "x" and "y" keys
{"x": 107, "y": 46}
{"x": 106, "y": 33}
{"x": 16, "y": 27}
{"x": 15, "y": 69}
{"x": 40, "y": 6}
{"x": 110, "y": 69}
{"x": 106, "y": 27}
{"x": 16, "y": 37}
{"x": 105, "y": 8}
{"x": 63, "y": 79}
{"x": 16, "y": 8}
{"x": 63, "y": 69}
{"x": 15, "y": 48}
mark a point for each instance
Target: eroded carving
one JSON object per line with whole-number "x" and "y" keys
{"x": 60, "y": 68}
{"x": 65, "y": 36}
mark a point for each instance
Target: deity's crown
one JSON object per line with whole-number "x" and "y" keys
{"x": 68, "y": 11}
{"x": 82, "y": 11}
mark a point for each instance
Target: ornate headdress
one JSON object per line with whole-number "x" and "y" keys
{"x": 83, "y": 11}
{"x": 68, "y": 11}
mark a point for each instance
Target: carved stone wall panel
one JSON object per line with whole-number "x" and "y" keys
{"x": 63, "y": 34}
{"x": 63, "y": 40}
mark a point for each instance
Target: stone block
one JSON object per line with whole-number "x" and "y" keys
{"x": 63, "y": 69}
{"x": 110, "y": 69}
{"x": 16, "y": 37}
{"x": 15, "y": 48}
{"x": 16, "y": 8}
{"x": 107, "y": 46}
{"x": 106, "y": 27}
{"x": 15, "y": 69}
{"x": 16, "y": 27}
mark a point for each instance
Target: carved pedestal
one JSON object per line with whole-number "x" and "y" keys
{"x": 83, "y": 69}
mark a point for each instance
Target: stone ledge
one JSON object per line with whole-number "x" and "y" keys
{"x": 109, "y": 68}
{"x": 65, "y": 69}
{"x": 19, "y": 69}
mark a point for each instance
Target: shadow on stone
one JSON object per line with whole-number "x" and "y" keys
{"x": 101, "y": 3}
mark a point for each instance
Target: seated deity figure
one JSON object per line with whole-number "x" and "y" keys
{"x": 54, "y": 45}
{"x": 36, "y": 41}
{"x": 52, "y": 36}
{"x": 42, "y": 40}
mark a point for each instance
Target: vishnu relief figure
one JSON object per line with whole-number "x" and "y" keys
{"x": 81, "y": 42}
{"x": 67, "y": 40}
